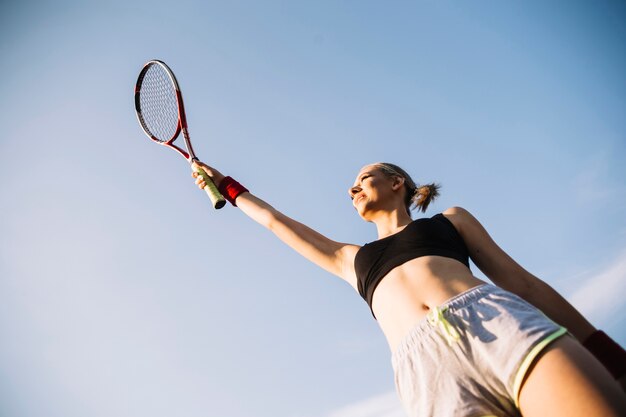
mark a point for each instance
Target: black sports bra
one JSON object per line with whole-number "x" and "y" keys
{"x": 422, "y": 237}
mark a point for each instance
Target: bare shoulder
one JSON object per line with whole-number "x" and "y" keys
{"x": 460, "y": 217}
{"x": 470, "y": 229}
{"x": 486, "y": 254}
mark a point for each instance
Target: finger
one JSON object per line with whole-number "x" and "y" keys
{"x": 199, "y": 165}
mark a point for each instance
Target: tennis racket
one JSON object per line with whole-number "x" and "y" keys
{"x": 161, "y": 114}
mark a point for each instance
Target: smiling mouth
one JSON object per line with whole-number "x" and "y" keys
{"x": 359, "y": 198}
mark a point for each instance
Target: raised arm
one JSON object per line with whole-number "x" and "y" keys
{"x": 335, "y": 257}
{"x": 503, "y": 271}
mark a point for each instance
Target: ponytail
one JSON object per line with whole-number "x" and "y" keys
{"x": 424, "y": 195}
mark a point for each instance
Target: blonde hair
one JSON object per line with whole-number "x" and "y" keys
{"x": 417, "y": 196}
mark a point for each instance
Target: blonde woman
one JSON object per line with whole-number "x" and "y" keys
{"x": 460, "y": 346}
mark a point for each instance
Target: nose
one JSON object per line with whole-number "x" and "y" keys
{"x": 354, "y": 190}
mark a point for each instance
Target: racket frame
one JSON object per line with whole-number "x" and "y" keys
{"x": 189, "y": 154}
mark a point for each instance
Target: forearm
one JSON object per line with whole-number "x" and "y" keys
{"x": 508, "y": 274}
{"x": 257, "y": 209}
{"x": 300, "y": 237}
{"x": 317, "y": 248}
{"x": 555, "y": 306}
{"x": 254, "y": 207}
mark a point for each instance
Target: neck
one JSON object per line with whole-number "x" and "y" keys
{"x": 391, "y": 222}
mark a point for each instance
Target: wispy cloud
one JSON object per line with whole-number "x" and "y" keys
{"x": 384, "y": 405}
{"x": 594, "y": 183}
{"x": 601, "y": 297}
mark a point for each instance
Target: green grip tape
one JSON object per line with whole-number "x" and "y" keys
{"x": 216, "y": 197}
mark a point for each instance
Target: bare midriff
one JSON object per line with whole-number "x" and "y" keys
{"x": 406, "y": 295}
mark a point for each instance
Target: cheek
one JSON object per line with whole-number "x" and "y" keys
{"x": 378, "y": 186}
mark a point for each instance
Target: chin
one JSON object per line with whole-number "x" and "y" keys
{"x": 363, "y": 216}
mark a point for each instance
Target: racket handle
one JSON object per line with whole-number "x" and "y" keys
{"x": 216, "y": 198}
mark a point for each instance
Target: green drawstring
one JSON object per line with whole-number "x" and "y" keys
{"x": 436, "y": 318}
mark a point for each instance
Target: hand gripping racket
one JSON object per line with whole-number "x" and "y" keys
{"x": 161, "y": 114}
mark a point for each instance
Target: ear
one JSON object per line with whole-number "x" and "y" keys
{"x": 398, "y": 183}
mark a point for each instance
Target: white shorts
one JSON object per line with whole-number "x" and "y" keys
{"x": 470, "y": 356}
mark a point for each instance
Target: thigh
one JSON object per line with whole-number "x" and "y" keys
{"x": 566, "y": 380}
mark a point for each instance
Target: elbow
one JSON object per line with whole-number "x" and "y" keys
{"x": 528, "y": 285}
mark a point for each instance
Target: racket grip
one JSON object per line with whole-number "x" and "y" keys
{"x": 216, "y": 197}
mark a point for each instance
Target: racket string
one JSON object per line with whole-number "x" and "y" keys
{"x": 159, "y": 104}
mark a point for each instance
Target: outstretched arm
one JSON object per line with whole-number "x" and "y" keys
{"x": 335, "y": 257}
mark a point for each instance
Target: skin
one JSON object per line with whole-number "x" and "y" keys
{"x": 407, "y": 293}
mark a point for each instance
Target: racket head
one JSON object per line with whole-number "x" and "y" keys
{"x": 158, "y": 102}
{"x": 161, "y": 114}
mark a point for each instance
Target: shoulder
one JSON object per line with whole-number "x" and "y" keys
{"x": 452, "y": 211}
{"x": 458, "y": 215}
{"x": 462, "y": 220}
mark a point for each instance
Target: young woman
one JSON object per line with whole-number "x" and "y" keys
{"x": 461, "y": 347}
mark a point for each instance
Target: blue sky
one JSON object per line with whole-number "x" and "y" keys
{"x": 122, "y": 293}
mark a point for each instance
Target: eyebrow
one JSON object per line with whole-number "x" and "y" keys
{"x": 364, "y": 174}
{"x": 359, "y": 180}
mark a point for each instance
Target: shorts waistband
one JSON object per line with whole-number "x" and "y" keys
{"x": 457, "y": 302}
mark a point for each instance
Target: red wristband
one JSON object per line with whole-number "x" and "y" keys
{"x": 607, "y": 351}
{"x": 231, "y": 189}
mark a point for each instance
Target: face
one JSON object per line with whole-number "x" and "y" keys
{"x": 372, "y": 189}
